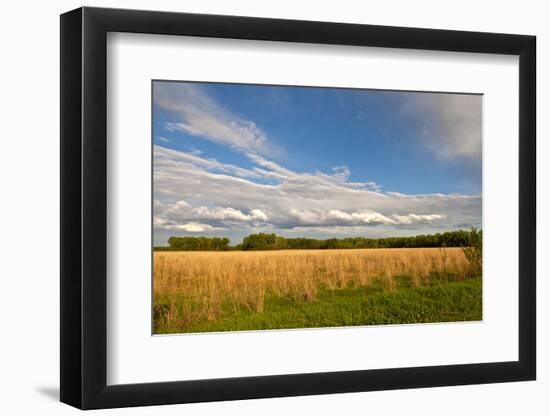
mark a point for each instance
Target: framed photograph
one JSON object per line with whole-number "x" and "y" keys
{"x": 259, "y": 208}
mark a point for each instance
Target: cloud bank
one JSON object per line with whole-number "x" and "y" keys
{"x": 196, "y": 194}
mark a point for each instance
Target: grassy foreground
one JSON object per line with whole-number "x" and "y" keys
{"x": 440, "y": 301}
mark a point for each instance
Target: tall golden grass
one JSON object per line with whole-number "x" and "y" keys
{"x": 210, "y": 283}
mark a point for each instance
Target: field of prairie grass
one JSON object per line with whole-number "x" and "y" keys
{"x": 240, "y": 290}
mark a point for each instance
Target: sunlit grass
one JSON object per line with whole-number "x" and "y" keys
{"x": 212, "y": 291}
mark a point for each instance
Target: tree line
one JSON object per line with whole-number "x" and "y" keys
{"x": 271, "y": 241}
{"x": 198, "y": 243}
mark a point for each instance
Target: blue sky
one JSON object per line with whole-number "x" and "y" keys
{"x": 232, "y": 159}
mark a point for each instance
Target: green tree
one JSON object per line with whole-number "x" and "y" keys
{"x": 189, "y": 243}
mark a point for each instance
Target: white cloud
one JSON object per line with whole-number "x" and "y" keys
{"x": 228, "y": 213}
{"x": 199, "y": 115}
{"x": 181, "y": 212}
{"x": 450, "y": 125}
{"x": 257, "y": 214}
{"x": 188, "y": 227}
{"x": 190, "y": 189}
{"x": 371, "y": 217}
{"x": 340, "y": 217}
{"x": 195, "y": 227}
{"x": 412, "y": 218}
{"x": 179, "y": 159}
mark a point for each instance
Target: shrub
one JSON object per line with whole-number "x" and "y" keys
{"x": 474, "y": 251}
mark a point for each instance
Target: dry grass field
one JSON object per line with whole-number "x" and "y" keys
{"x": 191, "y": 288}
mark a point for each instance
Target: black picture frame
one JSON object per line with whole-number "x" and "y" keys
{"x": 84, "y": 207}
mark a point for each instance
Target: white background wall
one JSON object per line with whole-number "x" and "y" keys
{"x": 29, "y": 177}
